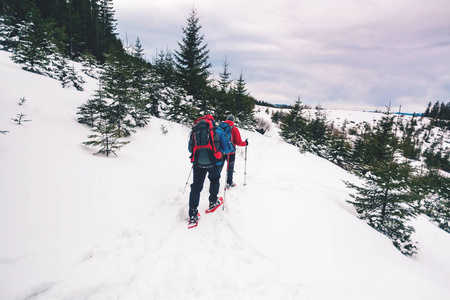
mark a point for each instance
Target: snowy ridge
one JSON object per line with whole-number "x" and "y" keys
{"x": 78, "y": 226}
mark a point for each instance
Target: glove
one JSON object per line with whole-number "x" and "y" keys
{"x": 246, "y": 141}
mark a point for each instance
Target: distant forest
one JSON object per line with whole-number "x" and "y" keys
{"x": 80, "y": 26}
{"x": 439, "y": 111}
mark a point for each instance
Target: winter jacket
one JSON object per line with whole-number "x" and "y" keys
{"x": 235, "y": 135}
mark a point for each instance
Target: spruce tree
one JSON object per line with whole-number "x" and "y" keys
{"x": 116, "y": 82}
{"x": 139, "y": 81}
{"x": 33, "y": 50}
{"x": 91, "y": 112}
{"x": 107, "y": 25}
{"x": 222, "y": 96}
{"x": 340, "y": 147}
{"x": 428, "y": 110}
{"x": 192, "y": 64}
{"x": 90, "y": 65}
{"x": 317, "y": 133}
{"x": 437, "y": 203}
{"x": 243, "y": 104}
{"x": 164, "y": 66}
{"x": 67, "y": 75}
{"x": 9, "y": 31}
{"x": 107, "y": 137}
{"x": 177, "y": 107}
{"x": 294, "y": 124}
{"x": 385, "y": 199}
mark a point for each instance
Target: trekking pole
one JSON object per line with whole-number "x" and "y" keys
{"x": 187, "y": 181}
{"x": 226, "y": 178}
{"x": 245, "y": 168}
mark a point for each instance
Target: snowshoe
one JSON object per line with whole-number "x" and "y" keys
{"x": 214, "y": 206}
{"x": 193, "y": 221}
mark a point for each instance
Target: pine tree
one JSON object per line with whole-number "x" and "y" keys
{"x": 317, "y": 133}
{"x": 243, "y": 104}
{"x": 107, "y": 137}
{"x": 165, "y": 68}
{"x": 385, "y": 199}
{"x": 140, "y": 77}
{"x": 67, "y": 75}
{"x": 32, "y": 51}
{"x": 9, "y": 33}
{"x": 435, "y": 110}
{"x": 437, "y": 204}
{"x": 409, "y": 142}
{"x": 222, "y": 103}
{"x": 340, "y": 147}
{"x": 177, "y": 107}
{"x": 91, "y": 112}
{"x": 90, "y": 65}
{"x": 428, "y": 110}
{"x": 192, "y": 64}
{"x": 116, "y": 82}
{"x": 294, "y": 125}
{"x": 106, "y": 26}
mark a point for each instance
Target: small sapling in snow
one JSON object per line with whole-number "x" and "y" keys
{"x": 164, "y": 129}
{"x": 20, "y": 119}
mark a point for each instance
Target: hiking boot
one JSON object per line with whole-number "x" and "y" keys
{"x": 213, "y": 206}
{"x": 193, "y": 215}
{"x": 193, "y": 219}
{"x": 230, "y": 185}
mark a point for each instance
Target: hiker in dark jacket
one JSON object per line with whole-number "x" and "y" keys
{"x": 213, "y": 176}
{"x": 236, "y": 140}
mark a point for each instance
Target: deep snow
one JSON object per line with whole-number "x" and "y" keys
{"x": 78, "y": 226}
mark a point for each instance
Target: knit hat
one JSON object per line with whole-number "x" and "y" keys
{"x": 230, "y": 118}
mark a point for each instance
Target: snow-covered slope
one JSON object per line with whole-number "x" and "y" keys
{"x": 78, "y": 226}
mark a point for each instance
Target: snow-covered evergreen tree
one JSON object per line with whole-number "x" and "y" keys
{"x": 385, "y": 199}
{"x": 177, "y": 106}
{"x": 437, "y": 203}
{"x": 339, "y": 147}
{"x": 294, "y": 125}
{"x": 243, "y": 108}
{"x": 90, "y": 65}
{"x": 107, "y": 137}
{"x": 91, "y": 112}
{"x": 32, "y": 50}
{"x": 67, "y": 74}
{"x": 222, "y": 98}
{"x": 165, "y": 68}
{"x": 192, "y": 64}
{"x": 9, "y": 33}
{"x": 116, "y": 82}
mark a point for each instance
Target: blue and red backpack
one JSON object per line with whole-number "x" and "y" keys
{"x": 204, "y": 143}
{"x": 227, "y": 129}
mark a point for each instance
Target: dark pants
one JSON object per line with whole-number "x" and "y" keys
{"x": 197, "y": 186}
{"x": 230, "y": 170}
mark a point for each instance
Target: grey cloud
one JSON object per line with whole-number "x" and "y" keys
{"x": 329, "y": 52}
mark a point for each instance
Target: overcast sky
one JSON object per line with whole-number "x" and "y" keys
{"x": 345, "y": 54}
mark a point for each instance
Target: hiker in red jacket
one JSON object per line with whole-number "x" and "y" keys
{"x": 236, "y": 140}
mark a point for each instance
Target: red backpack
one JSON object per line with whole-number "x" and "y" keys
{"x": 204, "y": 143}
